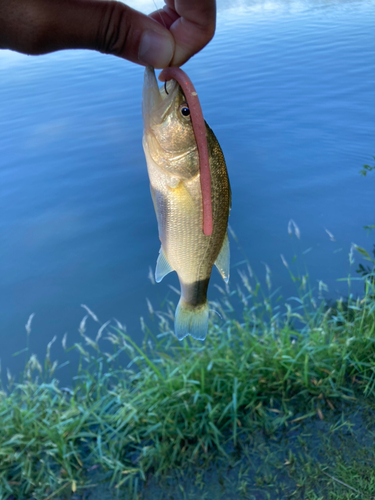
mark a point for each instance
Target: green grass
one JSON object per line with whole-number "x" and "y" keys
{"x": 177, "y": 408}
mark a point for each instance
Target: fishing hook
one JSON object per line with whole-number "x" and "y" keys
{"x": 165, "y": 87}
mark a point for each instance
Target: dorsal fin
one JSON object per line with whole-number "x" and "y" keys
{"x": 223, "y": 260}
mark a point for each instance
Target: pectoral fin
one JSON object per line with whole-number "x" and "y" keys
{"x": 173, "y": 182}
{"x": 162, "y": 266}
{"x": 223, "y": 260}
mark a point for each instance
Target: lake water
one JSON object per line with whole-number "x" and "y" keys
{"x": 289, "y": 90}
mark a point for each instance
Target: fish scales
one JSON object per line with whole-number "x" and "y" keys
{"x": 184, "y": 243}
{"x": 173, "y": 168}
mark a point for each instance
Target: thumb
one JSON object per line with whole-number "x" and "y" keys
{"x": 41, "y": 26}
{"x": 125, "y": 32}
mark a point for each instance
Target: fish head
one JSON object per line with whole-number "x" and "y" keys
{"x": 168, "y": 130}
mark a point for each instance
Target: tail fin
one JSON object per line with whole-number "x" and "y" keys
{"x": 191, "y": 320}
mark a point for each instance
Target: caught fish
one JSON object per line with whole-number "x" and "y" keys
{"x": 190, "y": 191}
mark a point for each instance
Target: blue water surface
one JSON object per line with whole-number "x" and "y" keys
{"x": 289, "y": 90}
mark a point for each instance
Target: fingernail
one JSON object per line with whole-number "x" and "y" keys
{"x": 155, "y": 49}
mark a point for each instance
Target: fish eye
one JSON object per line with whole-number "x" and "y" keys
{"x": 185, "y": 111}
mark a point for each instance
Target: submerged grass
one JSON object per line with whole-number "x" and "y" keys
{"x": 177, "y": 406}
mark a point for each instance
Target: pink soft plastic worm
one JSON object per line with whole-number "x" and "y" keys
{"x": 200, "y": 135}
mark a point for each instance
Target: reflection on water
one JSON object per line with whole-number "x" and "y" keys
{"x": 288, "y": 88}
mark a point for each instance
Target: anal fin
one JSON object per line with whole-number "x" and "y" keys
{"x": 162, "y": 266}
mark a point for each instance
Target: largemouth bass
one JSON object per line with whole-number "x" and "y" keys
{"x": 173, "y": 163}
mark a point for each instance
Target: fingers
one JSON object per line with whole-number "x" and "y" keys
{"x": 41, "y": 26}
{"x": 192, "y": 24}
{"x": 167, "y": 37}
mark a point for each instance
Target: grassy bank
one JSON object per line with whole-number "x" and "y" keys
{"x": 178, "y": 408}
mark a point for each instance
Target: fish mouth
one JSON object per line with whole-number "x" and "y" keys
{"x": 156, "y": 102}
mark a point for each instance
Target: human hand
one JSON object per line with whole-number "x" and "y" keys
{"x": 168, "y": 37}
